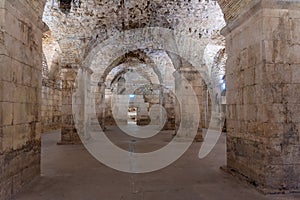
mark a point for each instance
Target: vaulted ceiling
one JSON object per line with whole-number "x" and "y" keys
{"x": 80, "y": 25}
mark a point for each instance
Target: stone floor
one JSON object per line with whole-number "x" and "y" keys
{"x": 71, "y": 173}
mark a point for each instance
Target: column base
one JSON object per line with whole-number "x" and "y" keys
{"x": 259, "y": 187}
{"x": 69, "y": 136}
{"x": 199, "y": 137}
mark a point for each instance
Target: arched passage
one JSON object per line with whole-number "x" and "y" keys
{"x": 261, "y": 76}
{"x": 134, "y": 72}
{"x": 32, "y": 13}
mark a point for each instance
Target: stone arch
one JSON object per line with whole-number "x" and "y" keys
{"x": 104, "y": 54}
{"x": 107, "y": 52}
{"x": 147, "y": 74}
{"x": 140, "y": 56}
{"x": 232, "y": 9}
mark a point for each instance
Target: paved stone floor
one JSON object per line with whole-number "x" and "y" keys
{"x": 71, "y": 173}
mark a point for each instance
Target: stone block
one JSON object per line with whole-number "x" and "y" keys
{"x": 295, "y": 73}
{"x": 17, "y": 70}
{"x": 231, "y": 80}
{"x": 291, "y": 93}
{"x": 7, "y": 138}
{"x": 16, "y": 28}
{"x": 276, "y": 28}
{"x": 270, "y": 93}
{"x": 6, "y": 113}
{"x": 250, "y": 112}
{"x": 7, "y": 91}
{"x": 249, "y": 76}
{"x": 249, "y": 95}
{"x": 293, "y": 113}
{"x": 20, "y": 113}
{"x": 254, "y": 55}
{"x": 278, "y": 73}
{"x": 231, "y": 97}
{"x": 21, "y": 135}
{"x": 293, "y": 53}
{"x": 295, "y": 28}
{"x": 27, "y": 75}
{"x": 20, "y": 94}
{"x": 6, "y": 65}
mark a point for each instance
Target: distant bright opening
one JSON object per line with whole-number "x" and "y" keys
{"x": 131, "y": 96}
{"x": 223, "y": 86}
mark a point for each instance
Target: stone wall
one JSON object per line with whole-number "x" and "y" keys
{"x": 51, "y": 107}
{"x": 51, "y": 84}
{"x": 263, "y": 96}
{"x": 20, "y": 93}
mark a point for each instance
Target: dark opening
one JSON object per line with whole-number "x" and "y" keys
{"x": 66, "y": 5}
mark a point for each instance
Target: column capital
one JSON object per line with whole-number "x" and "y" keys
{"x": 241, "y": 11}
{"x": 188, "y": 73}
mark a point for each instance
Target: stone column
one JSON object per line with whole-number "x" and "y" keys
{"x": 197, "y": 86}
{"x": 109, "y": 119}
{"x": 263, "y": 92}
{"x": 120, "y": 108}
{"x": 21, "y": 31}
{"x": 100, "y": 104}
{"x": 193, "y": 78}
{"x": 143, "y": 114}
{"x": 169, "y": 105}
{"x": 68, "y": 131}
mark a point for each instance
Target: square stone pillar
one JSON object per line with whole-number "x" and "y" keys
{"x": 183, "y": 78}
{"x": 68, "y": 131}
{"x": 142, "y": 113}
{"x": 263, "y": 95}
{"x": 99, "y": 92}
{"x": 21, "y": 31}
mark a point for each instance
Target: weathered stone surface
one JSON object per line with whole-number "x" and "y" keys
{"x": 262, "y": 92}
{"x": 20, "y": 93}
{"x": 68, "y": 132}
{"x": 51, "y": 99}
{"x": 107, "y": 18}
{"x": 263, "y": 85}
